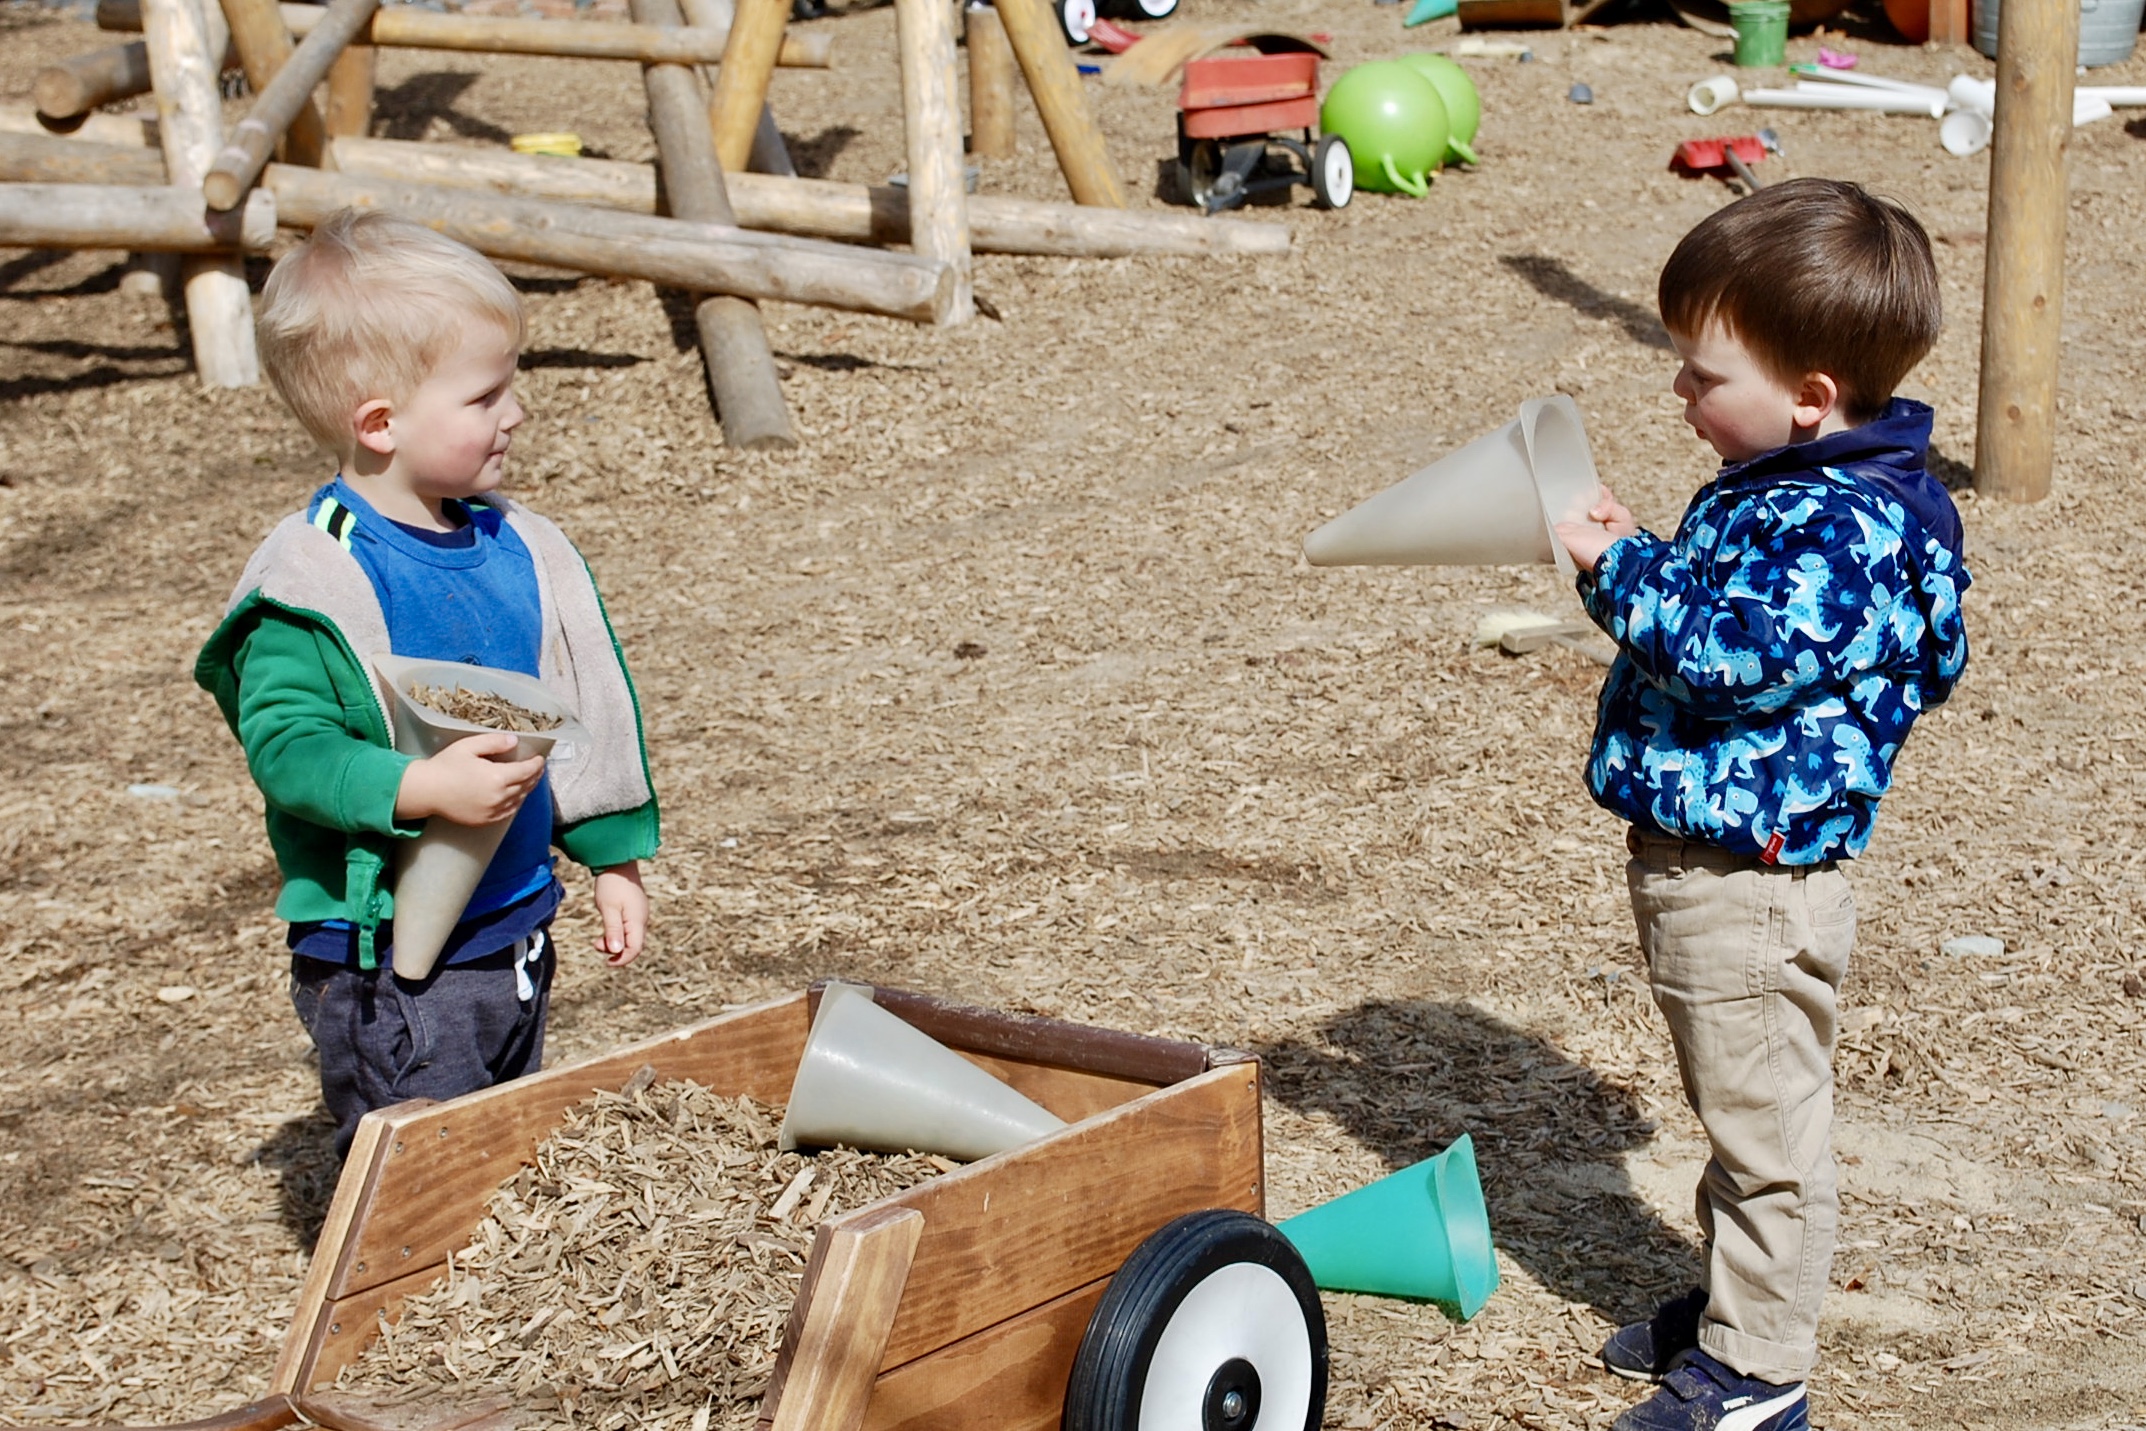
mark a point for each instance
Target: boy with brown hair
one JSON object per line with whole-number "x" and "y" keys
{"x": 397, "y": 348}
{"x": 1772, "y": 657}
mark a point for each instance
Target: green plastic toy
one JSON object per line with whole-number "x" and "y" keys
{"x": 1464, "y": 107}
{"x": 1394, "y": 124}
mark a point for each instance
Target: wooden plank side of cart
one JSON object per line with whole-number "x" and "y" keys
{"x": 1013, "y": 1253}
{"x": 420, "y": 1175}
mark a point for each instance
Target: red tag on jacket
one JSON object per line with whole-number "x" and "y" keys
{"x": 1773, "y": 847}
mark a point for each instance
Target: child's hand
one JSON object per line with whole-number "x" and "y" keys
{"x": 468, "y": 782}
{"x": 1607, "y": 521}
{"x": 624, "y": 907}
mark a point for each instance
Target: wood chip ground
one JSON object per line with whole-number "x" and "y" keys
{"x": 1009, "y": 685}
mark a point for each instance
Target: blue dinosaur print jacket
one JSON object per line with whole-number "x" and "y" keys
{"x": 1773, "y": 655}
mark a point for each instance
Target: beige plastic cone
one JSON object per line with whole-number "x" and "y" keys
{"x": 436, "y": 873}
{"x": 871, "y": 1080}
{"x": 1494, "y": 502}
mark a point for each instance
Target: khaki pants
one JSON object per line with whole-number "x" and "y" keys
{"x": 1746, "y": 963}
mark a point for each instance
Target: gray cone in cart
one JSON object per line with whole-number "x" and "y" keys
{"x": 437, "y": 872}
{"x": 869, "y": 1079}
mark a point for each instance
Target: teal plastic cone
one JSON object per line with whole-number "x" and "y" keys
{"x": 1421, "y": 1233}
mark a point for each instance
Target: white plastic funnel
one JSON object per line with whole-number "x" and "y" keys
{"x": 871, "y": 1080}
{"x": 436, "y": 873}
{"x": 1495, "y": 502}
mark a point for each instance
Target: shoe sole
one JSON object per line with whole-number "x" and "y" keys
{"x": 1652, "y": 1378}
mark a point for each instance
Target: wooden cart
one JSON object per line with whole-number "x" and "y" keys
{"x": 958, "y": 1303}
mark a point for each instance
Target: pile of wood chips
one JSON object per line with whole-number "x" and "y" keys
{"x": 641, "y": 1271}
{"x": 482, "y": 708}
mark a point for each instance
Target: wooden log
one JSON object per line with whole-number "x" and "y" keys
{"x": 263, "y": 43}
{"x": 219, "y": 309}
{"x": 2023, "y": 276}
{"x": 350, "y": 92}
{"x": 837, "y": 1332}
{"x": 1053, "y": 82}
{"x": 741, "y": 370}
{"x": 991, "y": 130}
{"x": 741, "y": 81}
{"x": 278, "y": 106}
{"x": 819, "y": 208}
{"x": 705, "y": 258}
{"x": 931, "y": 128}
{"x": 164, "y": 218}
{"x": 85, "y": 83}
{"x": 132, "y": 131}
{"x": 413, "y": 27}
{"x": 48, "y": 159}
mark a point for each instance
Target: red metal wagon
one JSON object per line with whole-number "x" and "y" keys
{"x": 1233, "y": 116}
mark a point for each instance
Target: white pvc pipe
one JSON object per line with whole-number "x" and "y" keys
{"x": 1861, "y": 81}
{"x": 1709, "y": 95}
{"x": 1828, "y": 97}
{"x": 2121, "y": 96}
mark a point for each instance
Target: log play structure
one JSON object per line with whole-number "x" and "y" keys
{"x": 729, "y": 220}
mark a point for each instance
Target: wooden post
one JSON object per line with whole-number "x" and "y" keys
{"x": 819, "y": 208}
{"x": 1949, "y": 23}
{"x": 705, "y": 258}
{"x": 991, "y": 134}
{"x": 159, "y": 218}
{"x": 350, "y": 92}
{"x": 769, "y": 154}
{"x": 931, "y": 124}
{"x": 1054, "y": 83}
{"x": 748, "y": 62}
{"x": 741, "y": 370}
{"x": 281, "y": 102}
{"x": 2023, "y": 277}
{"x": 219, "y": 310}
{"x": 263, "y": 43}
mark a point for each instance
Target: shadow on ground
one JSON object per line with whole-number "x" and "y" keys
{"x": 302, "y": 1155}
{"x": 1405, "y": 1079}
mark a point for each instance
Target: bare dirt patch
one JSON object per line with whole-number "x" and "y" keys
{"x": 1010, "y": 685}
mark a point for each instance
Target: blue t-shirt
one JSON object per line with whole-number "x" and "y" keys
{"x": 468, "y": 595}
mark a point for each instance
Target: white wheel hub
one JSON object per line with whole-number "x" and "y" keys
{"x": 1242, "y": 1311}
{"x": 1080, "y": 18}
{"x": 1340, "y": 173}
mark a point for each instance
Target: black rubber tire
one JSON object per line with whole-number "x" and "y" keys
{"x": 1328, "y": 163}
{"x": 1110, "y": 1371}
{"x": 1074, "y": 18}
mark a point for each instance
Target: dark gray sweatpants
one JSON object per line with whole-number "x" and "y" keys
{"x": 383, "y": 1039}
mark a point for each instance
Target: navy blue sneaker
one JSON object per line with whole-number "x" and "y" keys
{"x": 1644, "y": 1351}
{"x": 1700, "y": 1394}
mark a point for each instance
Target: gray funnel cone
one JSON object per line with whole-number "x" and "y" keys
{"x": 871, "y": 1080}
{"x": 1494, "y": 502}
{"x": 436, "y": 873}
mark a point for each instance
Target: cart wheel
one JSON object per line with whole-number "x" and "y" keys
{"x": 1333, "y": 172}
{"x": 1153, "y": 9}
{"x": 1076, "y": 18}
{"x": 1211, "y": 1325}
{"x": 1203, "y": 170}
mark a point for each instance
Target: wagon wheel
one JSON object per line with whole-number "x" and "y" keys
{"x": 1076, "y": 18}
{"x": 1333, "y": 172}
{"x": 1211, "y": 1325}
{"x": 1149, "y": 9}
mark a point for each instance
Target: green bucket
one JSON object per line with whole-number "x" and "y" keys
{"x": 1761, "y": 32}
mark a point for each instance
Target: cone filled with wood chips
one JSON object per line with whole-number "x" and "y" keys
{"x": 642, "y": 1271}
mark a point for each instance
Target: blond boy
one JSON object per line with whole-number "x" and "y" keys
{"x": 397, "y": 347}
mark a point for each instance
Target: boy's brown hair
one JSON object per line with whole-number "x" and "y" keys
{"x": 1813, "y": 276}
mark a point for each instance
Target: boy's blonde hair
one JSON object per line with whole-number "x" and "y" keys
{"x": 366, "y": 308}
